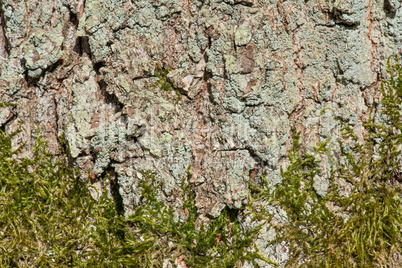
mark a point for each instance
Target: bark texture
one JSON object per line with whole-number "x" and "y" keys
{"x": 246, "y": 71}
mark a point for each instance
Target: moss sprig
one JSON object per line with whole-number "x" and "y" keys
{"x": 163, "y": 83}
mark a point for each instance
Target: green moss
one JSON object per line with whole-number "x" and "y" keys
{"x": 362, "y": 229}
{"x": 49, "y": 219}
{"x": 163, "y": 83}
{"x": 220, "y": 244}
{"x": 4, "y": 104}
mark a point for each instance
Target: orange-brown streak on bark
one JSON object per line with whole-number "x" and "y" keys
{"x": 301, "y": 71}
{"x": 175, "y": 35}
{"x": 369, "y": 35}
{"x": 333, "y": 92}
{"x": 370, "y": 7}
{"x": 188, "y": 6}
{"x": 200, "y": 133}
{"x": 283, "y": 16}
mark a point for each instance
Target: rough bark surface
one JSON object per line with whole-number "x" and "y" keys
{"x": 247, "y": 71}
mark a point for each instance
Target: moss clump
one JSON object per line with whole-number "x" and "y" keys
{"x": 161, "y": 74}
{"x": 49, "y": 219}
{"x": 360, "y": 229}
{"x": 222, "y": 243}
{"x": 163, "y": 83}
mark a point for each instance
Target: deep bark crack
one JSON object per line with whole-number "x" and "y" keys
{"x": 7, "y": 45}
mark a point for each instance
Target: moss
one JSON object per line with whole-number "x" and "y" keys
{"x": 222, "y": 243}
{"x": 49, "y": 219}
{"x": 163, "y": 82}
{"x": 5, "y": 104}
{"x": 362, "y": 229}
